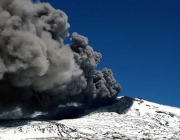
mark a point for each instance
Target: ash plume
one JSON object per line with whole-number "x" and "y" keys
{"x": 38, "y": 72}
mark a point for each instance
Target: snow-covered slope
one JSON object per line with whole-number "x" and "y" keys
{"x": 128, "y": 119}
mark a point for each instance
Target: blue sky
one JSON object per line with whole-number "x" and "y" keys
{"x": 139, "y": 41}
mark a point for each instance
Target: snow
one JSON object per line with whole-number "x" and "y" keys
{"x": 143, "y": 119}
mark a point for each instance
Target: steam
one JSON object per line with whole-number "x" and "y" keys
{"x": 38, "y": 73}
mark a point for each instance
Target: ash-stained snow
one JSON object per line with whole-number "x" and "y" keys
{"x": 130, "y": 118}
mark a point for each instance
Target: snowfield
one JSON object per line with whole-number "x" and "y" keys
{"x": 130, "y": 118}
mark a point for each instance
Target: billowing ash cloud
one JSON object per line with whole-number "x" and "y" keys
{"x": 38, "y": 73}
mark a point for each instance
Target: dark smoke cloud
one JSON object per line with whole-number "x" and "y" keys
{"x": 38, "y": 73}
{"x": 101, "y": 85}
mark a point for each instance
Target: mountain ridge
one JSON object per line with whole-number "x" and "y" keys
{"x": 129, "y": 118}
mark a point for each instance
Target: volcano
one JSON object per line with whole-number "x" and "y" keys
{"x": 129, "y": 118}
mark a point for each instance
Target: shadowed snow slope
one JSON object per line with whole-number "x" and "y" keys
{"x": 129, "y": 118}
